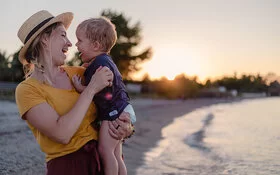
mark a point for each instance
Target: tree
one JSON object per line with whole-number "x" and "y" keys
{"x": 16, "y": 68}
{"x": 128, "y": 38}
{"x": 4, "y": 59}
{"x": 10, "y": 67}
{"x": 5, "y": 71}
{"x": 246, "y": 83}
{"x": 123, "y": 53}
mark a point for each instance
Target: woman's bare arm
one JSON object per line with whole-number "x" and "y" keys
{"x": 62, "y": 128}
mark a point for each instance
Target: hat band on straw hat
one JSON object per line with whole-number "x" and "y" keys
{"x": 36, "y": 29}
{"x": 35, "y": 25}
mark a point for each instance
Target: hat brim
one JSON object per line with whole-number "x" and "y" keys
{"x": 64, "y": 18}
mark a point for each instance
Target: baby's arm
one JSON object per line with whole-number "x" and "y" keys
{"x": 77, "y": 82}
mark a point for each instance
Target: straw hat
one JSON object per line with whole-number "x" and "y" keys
{"x": 34, "y": 25}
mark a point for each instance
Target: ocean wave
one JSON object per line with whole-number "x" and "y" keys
{"x": 195, "y": 139}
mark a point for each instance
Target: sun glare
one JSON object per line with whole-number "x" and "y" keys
{"x": 169, "y": 77}
{"x": 170, "y": 62}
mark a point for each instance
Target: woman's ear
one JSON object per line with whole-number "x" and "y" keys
{"x": 44, "y": 40}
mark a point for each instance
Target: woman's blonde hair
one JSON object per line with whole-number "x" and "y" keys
{"x": 33, "y": 52}
{"x": 101, "y": 30}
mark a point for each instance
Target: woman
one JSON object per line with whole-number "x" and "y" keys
{"x": 59, "y": 117}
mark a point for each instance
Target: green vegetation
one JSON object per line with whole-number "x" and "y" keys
{"x": 185, "y": 87}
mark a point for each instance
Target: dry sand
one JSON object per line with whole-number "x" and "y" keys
{"x": 20, "y": 154}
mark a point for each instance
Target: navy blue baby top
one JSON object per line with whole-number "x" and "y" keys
{"x": 111, "y": 101}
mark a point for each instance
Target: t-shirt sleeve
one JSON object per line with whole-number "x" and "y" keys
{"x": 99, "y": 61}
{"x": 28, "y": 96}
{"x": 74, "y": 70}
{"x": 102, "y": 62}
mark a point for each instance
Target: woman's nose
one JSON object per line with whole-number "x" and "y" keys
{"x": 69, "y": 43}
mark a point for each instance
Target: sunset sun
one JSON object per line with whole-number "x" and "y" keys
{"x": 169, "y": 62}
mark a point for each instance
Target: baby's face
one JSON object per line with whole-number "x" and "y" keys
{"x": 85, "y": 46}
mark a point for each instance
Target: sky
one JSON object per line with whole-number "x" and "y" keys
{"x": 203, "y": 38}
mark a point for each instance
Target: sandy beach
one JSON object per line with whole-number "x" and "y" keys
{"x": 20, "y": 154}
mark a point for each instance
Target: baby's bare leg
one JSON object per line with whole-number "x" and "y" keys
{"x": 118, "y": 154}
{"x": 106, "y": 148}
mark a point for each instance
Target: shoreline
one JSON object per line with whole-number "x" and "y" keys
{"x": 19, "y": 152}
{"x": 152, "y": 117}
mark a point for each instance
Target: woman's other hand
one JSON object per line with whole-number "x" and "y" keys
{"x": 121, "y": 127}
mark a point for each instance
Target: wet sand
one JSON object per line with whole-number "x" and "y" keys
{"x": 20, "y": 154}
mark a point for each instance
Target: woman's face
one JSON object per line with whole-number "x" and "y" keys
{"x": 59, "y": 44}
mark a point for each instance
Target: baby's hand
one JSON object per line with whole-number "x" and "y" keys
{"x": 77, "y": 82}
{"x": 85, "y": 65}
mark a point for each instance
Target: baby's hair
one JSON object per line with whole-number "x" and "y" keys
{"x": 101, "y": 30}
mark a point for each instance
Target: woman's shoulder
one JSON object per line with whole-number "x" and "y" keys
{"x": 72, "y": 70}
{"x": 29, "y": 86}
{"x": 29, "y": 82}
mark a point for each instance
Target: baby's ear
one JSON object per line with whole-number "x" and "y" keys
{"x": 96, "y": 46}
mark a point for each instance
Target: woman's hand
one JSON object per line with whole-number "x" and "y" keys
{"x": 102, "y": 78}
{"x": 121, "y": 127}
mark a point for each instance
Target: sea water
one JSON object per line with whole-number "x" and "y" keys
{"x": 240, "y": 138}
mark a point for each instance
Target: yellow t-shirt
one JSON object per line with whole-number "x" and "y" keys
{"x": 31, "y": 92}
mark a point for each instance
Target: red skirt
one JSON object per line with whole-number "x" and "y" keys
{"x": 85, "y": 161}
